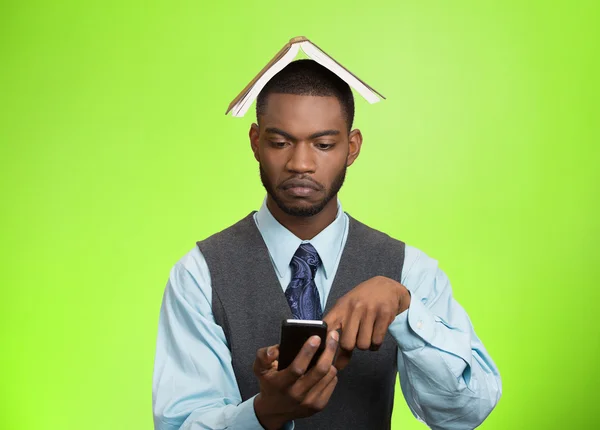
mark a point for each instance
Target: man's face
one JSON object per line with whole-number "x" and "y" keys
{"x": 302, "y": 146}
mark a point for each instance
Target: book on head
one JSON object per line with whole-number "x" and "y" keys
{"x": 240, "y": 105}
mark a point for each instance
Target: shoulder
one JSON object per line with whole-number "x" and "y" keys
{"x": 192, "y": 262}
{"x": 366, "y": 232}
{"x": 418, "y": 266}
{"x": 192, "y": 268}
{"x": 230, "y": 233}
{"x": 417, "y": 260}
{"x": 422, "y": 273}
{"x": 189, "y": 277}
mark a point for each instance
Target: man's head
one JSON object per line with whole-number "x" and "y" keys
{"x": 303, "y": 140}
{"x": 308, "y": 78}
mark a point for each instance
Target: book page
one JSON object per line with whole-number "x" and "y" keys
{"x": 320, "y": 57}
{"x": 244, "y": 104}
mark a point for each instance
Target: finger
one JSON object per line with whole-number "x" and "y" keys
{"x": 298, "y": 367}
{"x": 265, "y": 357}
{"x": 316, "y": 392}
{"x": 380, "y": 329}
{"x": 365, "y": 332}
{"x": 331, "y": 347}
{"x": 350, "y": 328}
{"x": 333, "y": 319}
{"x": 342, "y": 359}
{"x": 321, "y": 369}
{"x": 323, "y": 398}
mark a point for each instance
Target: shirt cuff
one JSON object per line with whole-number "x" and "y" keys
{"x": 247, "y": 419}
{"x": 406, "y": 338}
{"x": 418, "y": 326}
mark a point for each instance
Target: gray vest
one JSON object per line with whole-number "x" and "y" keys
{"x": 249, "y": 304}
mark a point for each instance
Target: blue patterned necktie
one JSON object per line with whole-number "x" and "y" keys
{"x": 302, "y": 294}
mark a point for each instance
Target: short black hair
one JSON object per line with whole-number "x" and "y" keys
{"x": 308, "y": 78}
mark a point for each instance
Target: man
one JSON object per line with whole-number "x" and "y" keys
{"x": 216, "y": 362}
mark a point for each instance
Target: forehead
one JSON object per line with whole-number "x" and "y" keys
{"x": 303, "y": 114}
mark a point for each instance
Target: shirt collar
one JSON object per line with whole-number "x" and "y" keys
{"x": 282, "y": 243}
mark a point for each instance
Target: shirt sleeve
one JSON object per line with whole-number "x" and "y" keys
{"x": 194, "y": 386}
{"x": 447, "y": 377}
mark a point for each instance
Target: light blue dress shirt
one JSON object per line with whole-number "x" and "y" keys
{"x": 447, "y": 377}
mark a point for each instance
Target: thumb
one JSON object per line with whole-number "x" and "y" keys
{"x": 265, "y": 359}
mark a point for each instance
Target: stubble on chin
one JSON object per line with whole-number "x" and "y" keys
{"x": 303, "y": 210}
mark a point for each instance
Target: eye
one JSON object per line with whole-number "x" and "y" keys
{"x": 324, "y": 146}
{"x": 278, "y": 144}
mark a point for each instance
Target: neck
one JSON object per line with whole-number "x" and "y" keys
{"x": 308, "y": 227}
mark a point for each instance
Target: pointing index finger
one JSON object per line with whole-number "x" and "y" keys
{"x": 333, "y": 320}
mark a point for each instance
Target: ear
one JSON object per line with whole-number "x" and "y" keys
{"x": 254, "y": 135}
{"x": 355, "y": 142}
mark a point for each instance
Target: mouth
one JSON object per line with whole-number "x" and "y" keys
{"x": 300, "y": 191}
{"x": 300, "y": 188}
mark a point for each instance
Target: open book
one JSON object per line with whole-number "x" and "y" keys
{"x": 240, "y": 105}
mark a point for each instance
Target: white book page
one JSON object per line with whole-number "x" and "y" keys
{"x": 320, "y": 57}
{"x": 244, "y": 104}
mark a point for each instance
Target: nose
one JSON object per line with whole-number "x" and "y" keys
{"x": 302, "y": 159}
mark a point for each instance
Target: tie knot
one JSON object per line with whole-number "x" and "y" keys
{"x": 305, "y": 262}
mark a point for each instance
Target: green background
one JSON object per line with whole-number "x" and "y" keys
{"x": 116, "y": 156}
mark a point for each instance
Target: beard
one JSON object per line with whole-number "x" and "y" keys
{"x": 303, "y": 210}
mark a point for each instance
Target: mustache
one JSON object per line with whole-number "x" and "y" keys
{"x": 304, "y": 182}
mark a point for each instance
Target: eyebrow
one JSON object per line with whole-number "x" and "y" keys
{"x": 316, "y": 135}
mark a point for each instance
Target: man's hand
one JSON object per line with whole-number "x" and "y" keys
{"x": 294, "y": 393}
{"x": 364, "y": 315}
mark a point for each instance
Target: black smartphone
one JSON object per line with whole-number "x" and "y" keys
{"x": 294, "y": 334}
